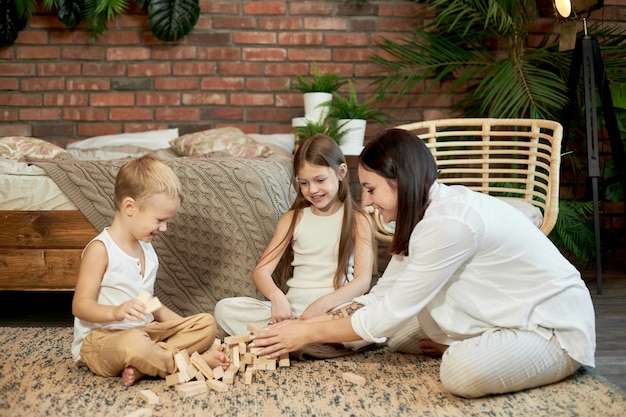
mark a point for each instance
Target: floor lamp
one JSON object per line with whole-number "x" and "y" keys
{"x": 587, "y": 55}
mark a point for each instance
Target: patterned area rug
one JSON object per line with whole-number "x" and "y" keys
{"x": 39, "y": 378}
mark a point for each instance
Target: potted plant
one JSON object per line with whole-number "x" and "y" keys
{"x": 352, "y": 117}
{"x": 304, "y": 128}
{"x": 317, "y": 89}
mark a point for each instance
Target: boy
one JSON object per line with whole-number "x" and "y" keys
{"x": 113, "y": 332}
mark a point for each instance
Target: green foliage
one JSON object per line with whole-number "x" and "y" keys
{"x": 350, "y": 108}
{"x": 330, "y": 127}
{"x": 169, "y": 20}
{"x": 573, "y": 231}
{"x": 318, "y": 82}
{"x": 480, "y": 50}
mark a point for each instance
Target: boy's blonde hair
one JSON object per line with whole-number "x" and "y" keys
{"x": 144, "y": 177}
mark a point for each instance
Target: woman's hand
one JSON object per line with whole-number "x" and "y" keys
{"x": 282, "y": 338}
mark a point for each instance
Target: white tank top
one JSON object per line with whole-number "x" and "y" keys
{"x": 122, "y": 281}
{"x": 316, "y": 250}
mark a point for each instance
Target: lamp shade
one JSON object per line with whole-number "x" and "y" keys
{"x": 569, "y": 9}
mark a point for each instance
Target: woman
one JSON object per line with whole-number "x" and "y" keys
{"x": 471, "y": 278}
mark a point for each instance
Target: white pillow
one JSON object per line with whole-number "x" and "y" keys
{"x": 287, "y": 141}
{"x": 153, "y": 139}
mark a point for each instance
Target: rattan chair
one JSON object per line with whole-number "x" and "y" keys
{"x": 513, "y": 158}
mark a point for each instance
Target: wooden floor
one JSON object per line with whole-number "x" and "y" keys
{"x": 54, "y": 309}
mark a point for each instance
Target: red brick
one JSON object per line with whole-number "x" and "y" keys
{"x": 272, "y": 84}
{"x": 8, "y": 84}
{"x": 193, "y": 68}
{"x": 144, "y": 127}
{"x": 112, "y": 99}
{"x": 66, "y": 100}
{"x": 121, "y": 37}
{"x": 171, "y": 83}
{"x": 32, "y": 37}
{"x": 227, "y": 22}
{"x": 127, "y": 54}
{"x": 329, "y": 23}
{"x": 69, "y": 37}
{"x": 264, "y": 115}
{"x": 8, "y": 115}
{"x": 174, "y": 53}
{"x": 350, "y": 39}
{"x": 104, "y": 69}
{"x": 131, "y": 114}
{"x": 264, "y": 7}
{"x": 84, "y": 114}
{"x": 21, "y": 100}
{"x": 207, "y": 98}
{"x": 13, "y": 129}
{"x": 251, "y": 99}
{"x": 221, "y": 113}
{"x": 280, "y": 23}
{"x": 177, "y": 114}
{"x": 239, "y": 68}
{"x": 92, "y": 53}
{"x": 301, "y": 38}
{"x": 88, "y": 84}
{"x": 220, "y": 7}
{"x": 38, "y": 52}
{"x": 263, "y": 38}
{"x": 351, "y": 55}
{"x": 310, "y": 8}
{"x": 56, "y": 69}
{"x": 149, "y": 69}
{"x": 397, "y": 25}
{"x": 219, "y": 54}
{"x": 264, "y": 54}
{"x": 43, "y": 84}
{"x": 98, "y": 129}
{"x": 17, "y": 69}
{"x": 158, "y": 99}
{"x": 222, "y": 83}
{"x": 39, "y": 114}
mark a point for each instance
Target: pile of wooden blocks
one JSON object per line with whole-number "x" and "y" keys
{"x": 194, "y": 376}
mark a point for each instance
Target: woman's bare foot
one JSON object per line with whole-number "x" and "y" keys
{"x": 130, "y": 375}
{"x": 431, "y": 348}
{"x": 216, "y": 358}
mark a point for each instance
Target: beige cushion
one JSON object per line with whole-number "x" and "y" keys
{"x": 230, "y": 140}
{"x": 18, "y": 147}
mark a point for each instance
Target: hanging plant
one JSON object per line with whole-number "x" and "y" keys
{"x": 169, "y": 20}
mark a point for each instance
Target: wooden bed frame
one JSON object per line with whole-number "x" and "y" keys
{"x": 40, "y": 250}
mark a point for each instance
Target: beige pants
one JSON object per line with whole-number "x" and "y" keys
{"x": 496, "y": 362}
{"x": 150, "y": 349}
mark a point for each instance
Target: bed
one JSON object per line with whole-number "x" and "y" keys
{"x": 51, "y": 207}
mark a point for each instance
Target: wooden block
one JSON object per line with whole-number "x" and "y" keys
{"x": 234, "y": 356}
{"x": 247, "y": 358}
{"x": 153, "y": 304}
{"x": 283, "y": 360}
{"x": 243, "y": 347}
{"x": 191, "y": 388}
{"x": 248, "y": 376}
{"x": 354, "y": 378}
{"x": 216, "y": 385}
{"x": 174, "y": 379}
{"x": 201, "y": 364}
{"x": 182, "y": 364}
{"x": 144, "y": 296}
{"x": 142, "y": 412}
{"x": 229, "y": 376}
{"x": 218, "y": 372}
{"x": 254, "y": 328}
{"x": 234, "y": 340}
{"x": 149, "y": 396}
{"x": 217, "y": 344}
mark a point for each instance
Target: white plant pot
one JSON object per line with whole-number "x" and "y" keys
{"x": 352, "y": 142}
{"x": 314, "y": 108}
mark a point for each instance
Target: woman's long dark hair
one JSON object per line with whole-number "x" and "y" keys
{"x": 403, "y": 159}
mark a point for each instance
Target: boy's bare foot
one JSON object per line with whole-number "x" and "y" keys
{"x": 215, "y": 358}
{"x": 130, "y": 375}
{"x": 431, "y": 348}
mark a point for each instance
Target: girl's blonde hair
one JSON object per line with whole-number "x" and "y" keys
{"x": 322, "y": 150}
{"x": 144, "y": 177}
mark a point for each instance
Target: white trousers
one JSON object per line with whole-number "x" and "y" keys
{"x": 234, "y": 314}
{"x": 497, "y": 361}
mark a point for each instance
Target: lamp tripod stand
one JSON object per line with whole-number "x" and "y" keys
{"x": 587, "y": 54}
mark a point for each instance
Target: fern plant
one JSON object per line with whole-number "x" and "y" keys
{"x": 318, "y": 82}
{"x": 480, "y": 48}
{"x": 351, "y": 108}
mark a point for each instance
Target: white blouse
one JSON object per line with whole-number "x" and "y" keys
{"x": 476, "y": 263}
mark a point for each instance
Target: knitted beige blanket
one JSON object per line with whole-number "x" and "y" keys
{"x": 214, "y": 241}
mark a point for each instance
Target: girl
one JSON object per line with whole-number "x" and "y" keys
{"x": 471, "y": 279}
{"x": 325, "y": 242}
